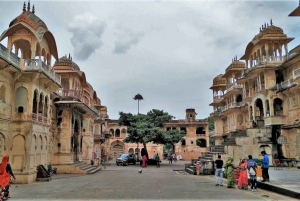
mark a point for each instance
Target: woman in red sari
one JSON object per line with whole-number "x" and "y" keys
{"x": 144, "y": 164}
{"x": 4, "y": 176}
{"x": 243, "y": 179}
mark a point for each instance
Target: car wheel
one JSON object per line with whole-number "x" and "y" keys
{"x": 117, "y": 164}
{"x": 126, "y": 163}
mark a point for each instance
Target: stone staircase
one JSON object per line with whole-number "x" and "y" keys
{"x": 240, "y": 133}
{"x": 217, "y": 149}
{"x": 89, "y": 169}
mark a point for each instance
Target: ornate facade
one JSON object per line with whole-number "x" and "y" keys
{"x": 47, "y": 114}
{"x": 256, "y": 101}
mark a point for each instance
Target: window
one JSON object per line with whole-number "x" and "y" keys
{"x": 20, "y": 109}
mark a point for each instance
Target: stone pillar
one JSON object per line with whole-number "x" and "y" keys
{"x": 271, "y": 107}
{"x": 286, "y": 50}
{"x": 267, "y": 51}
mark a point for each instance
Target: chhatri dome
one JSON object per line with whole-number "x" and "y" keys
{"x": 26, "y": 29}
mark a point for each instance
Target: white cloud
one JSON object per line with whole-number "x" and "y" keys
{"x": 87, "y": 32}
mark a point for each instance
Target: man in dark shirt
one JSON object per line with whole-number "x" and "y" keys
{"x": 219, "y": 170}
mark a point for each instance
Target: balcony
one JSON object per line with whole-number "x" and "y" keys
{"x": 40, "y": 66}
{"x": 276, "y": 60}
{"x": 274, "y": 120}
{"x": 9, "y": 57}
{"x": 74, "y": 93}
{"x": 215, "y": 114}
{"x": 231, "y": 86}
{"x": 283, "y": 86}
{"x": 232, "y": 105}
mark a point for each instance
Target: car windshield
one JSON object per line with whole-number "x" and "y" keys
{"x": 123, "y": 155}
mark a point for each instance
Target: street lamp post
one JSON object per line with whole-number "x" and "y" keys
{"x": 138, "y": 97}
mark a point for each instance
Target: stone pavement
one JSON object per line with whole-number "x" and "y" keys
{"x": 285, "y": 181}
{"x": 125, "y": 183}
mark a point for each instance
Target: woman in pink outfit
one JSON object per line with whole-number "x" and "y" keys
{"x": 144, "y": 164}
{"x": 243, "y": 179}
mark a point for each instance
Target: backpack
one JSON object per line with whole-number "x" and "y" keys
{"x": 252, "y": 171}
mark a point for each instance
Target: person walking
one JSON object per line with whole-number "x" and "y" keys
{"x": 5, "y": 174}
{"x": 198, "y": 166}
{"x": 265, "y": 167}
{"x": 243, "y": 178}
{"x": 170, "y": 159}
{"x": 252, "y": 169}
{"x": 157, "y": 160}
{"x": 144, "y": 163}
{"x": 229, "y": 171}
{"x": 219, "y": 171}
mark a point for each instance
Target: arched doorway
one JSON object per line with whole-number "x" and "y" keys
{"x": 259, "y": 109}
{"x": 18, "y": 149}
{"x": 117, "y": 150}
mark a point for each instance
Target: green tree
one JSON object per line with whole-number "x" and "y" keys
{"x": 211, "y": 127}
{"x": 144, "y": 128}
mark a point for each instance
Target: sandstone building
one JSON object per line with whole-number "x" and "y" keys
{"x": 47, "y": 113}
{"x": 256, "y": 101}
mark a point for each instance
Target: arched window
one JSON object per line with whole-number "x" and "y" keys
{"x": 34, "y": 102}
{"x": 201, "y": 143}
{"x": 21, "y": 99}
{"x": 46, "y": 107}
{"x": 117, "y": 133}
{"x": 200, "y": 131}
{"x": 112, "y": 132}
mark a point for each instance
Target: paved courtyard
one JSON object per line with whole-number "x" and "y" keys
{"x": 125, "y": 183}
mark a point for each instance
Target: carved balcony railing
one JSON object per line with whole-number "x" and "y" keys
{"x": 267, "y": 60}
{"x": 9, "y": 56}
{"x": 39, "y": 65}
{"x": 232, "y": 105}
{"x": 283, "y": 85}
{"x": 215, "y": 114}
{"x": 232, "y": 86}
{"x": 71, "y": 93}
{"x": 34, "y": 117}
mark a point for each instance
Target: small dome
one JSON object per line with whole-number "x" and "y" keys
{"x": 269, "y": 30}
{"x": 30, "y": 19}
{"x": 219, "y": 80}
{"x": 66, "y": 64}
{"x": 235, "y": 65}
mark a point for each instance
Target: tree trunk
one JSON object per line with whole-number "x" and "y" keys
{"x": 146, "y": 152}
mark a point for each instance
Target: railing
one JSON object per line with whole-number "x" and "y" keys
{"x": 98, "y": 136}
{"x": 284, "y": 85}
{"x": 218, "y": 96}
{"x": 9, "y": 56}
{"x": 71, "y": 93}
{"x": 215, "y": 114}
{"x": 232, "y": 105}
{"x": 264, "y": 60}
{"x": 200, "y": 134}
{"x": 234, "y": 85}
{"x": 278, "y": 113}
{"x": 39, "y": 65}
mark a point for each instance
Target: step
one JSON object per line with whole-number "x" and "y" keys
{"x": 87, "y": 168}
{"x": 97, "y": 169}
{"x": 78, "y": 164}
{"x": 190, "y": 171}
{"x": 84, "y": 166}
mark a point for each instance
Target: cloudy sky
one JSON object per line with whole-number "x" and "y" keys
{"x": 168, "y": 51}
